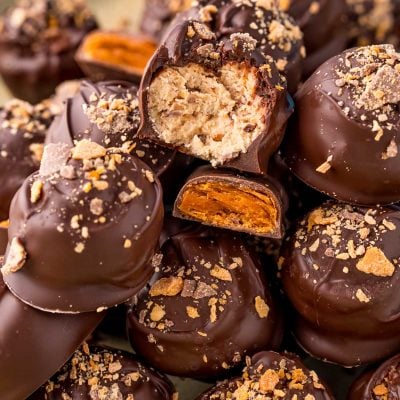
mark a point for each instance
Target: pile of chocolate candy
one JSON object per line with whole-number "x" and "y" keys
{"x": 240, "y": 206}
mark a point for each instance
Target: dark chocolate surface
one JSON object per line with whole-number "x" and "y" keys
{"x": 22, "y": 132}
{"x": 37, "y": 45}
{"x": 83, "y": 119}
{"x": 83, "y": 229}
{"x": 272, "y": 375}
{"x": 191, "y": 42}
{"x": 101, "y": 373}
{"x": 264, "y": 186}
{"x": 35, "y": 344}
{"x": 340, "y": 271}
{"x": 343, "y": 139}
{"x": 380, "y": 383}
{"x": 208, "y": 305}
{"x": 325, "y": 28}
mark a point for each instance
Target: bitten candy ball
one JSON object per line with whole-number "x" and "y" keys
{"x": 83, "y": 229}
{"x": 208, "y": 306}
{"x": 272, "y": 375}
{"x": 340, "y": 270}
{"x": 344, "y": 137}
{"x": 213, "y": 89}
{"x": 38, "y": 40}
{"x": 102, "y": 373}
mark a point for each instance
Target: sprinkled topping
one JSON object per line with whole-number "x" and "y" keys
{"x": 16, "y": 257}
{"x": 376, "y": 263}
{"x": 261, "y": 307}
{"x": 369, "y": 78}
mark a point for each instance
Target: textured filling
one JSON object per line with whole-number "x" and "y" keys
{"x": 229, "y": 206}
{"x": 214, "y": 117}
{"x": 127, "y": 52}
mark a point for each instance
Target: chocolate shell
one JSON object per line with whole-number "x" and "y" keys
{"x": 272, "y": 375}
{"x": 207, "y": 307}
{"x": 35, "y": 344}
{"x": 190, "y": 99}
{"x": 22, "y": 132}
{"x": 86, "y": 115}
{"x": 38, "y": 40}
{"x": 378, "y": 384}
{"x": 101, "y": 373}
{"x": 340, "y": 271}
{"x": 325, "y": 28}
{"x": 343, "y": 140}
{"x": 102, "y": 211}
{"x": 225, "y": 199}
{"x": 106, "y": 55}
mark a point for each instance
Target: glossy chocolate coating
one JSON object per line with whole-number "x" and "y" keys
{"x": 22, "y": 132}
{"x": 202, "y": 329}
{"x": 374, "y": 22}
{"x": 343, "y": 141}
{"x": 378, "y": 384}
{"x": 97, "y": 373}
{"x": 35, "y": 344}
{"x": 260, "y": 378}
{"x": 264, "y": 186}
{"x": 325, "y": 29}
{"x": 37, "y": 45}
{"x": 158, "y": 15}
{"x": 179, "y": 50}
{"x": 76, "y": 124}
{"x": 340, "y": 272}
{"x": 103, "y": 215}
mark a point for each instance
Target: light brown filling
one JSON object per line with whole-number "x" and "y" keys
{"x": 124, "y": 51}
{"x": 229, "y": 206}
{"x": 214, "y": 117}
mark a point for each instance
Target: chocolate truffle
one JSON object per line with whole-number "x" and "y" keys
{"x": 35, "y": 344}
{"x": 224, "y": 199}
{"x": 107, "y": 113}
{"x": 38, "y": 40}
{"x": 83, "y": 229}
{"x": 325, "y": 28}
{"x": 158, "y": 15}
{"x": 374, "y": 22}
{"x": 215, "y": 98}
{"x": 113, "y": 55}
{"x": 344, "y": 137}
{"x": 101, "y": 373}
{"x": 271, "y": 375}
{"x": 22, "y": 132}
{"x": 382, "y": 383}
{"x": 207, "y": 307}
{"x": 340, "y": 270}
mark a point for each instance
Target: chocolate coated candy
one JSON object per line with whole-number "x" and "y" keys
{"x": 224, "y": 199}
{"x": 101, "y": 373}
{"x": 325, "y": 28}
{"x": 208, "y": 306}
{"x": 22, "y": 132}
{"x": 340, "y": 272}
{"x": 38, "y": 41}
{"x": 83, "y": 229}
{"x": 272, "y": 375}
{"x": 343, "y": 140}
{"x": 380, "y": 383}
{"x": 34, "y": 344}
{"x": 107, "y": 113}
{"x": 112, "y": 55}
